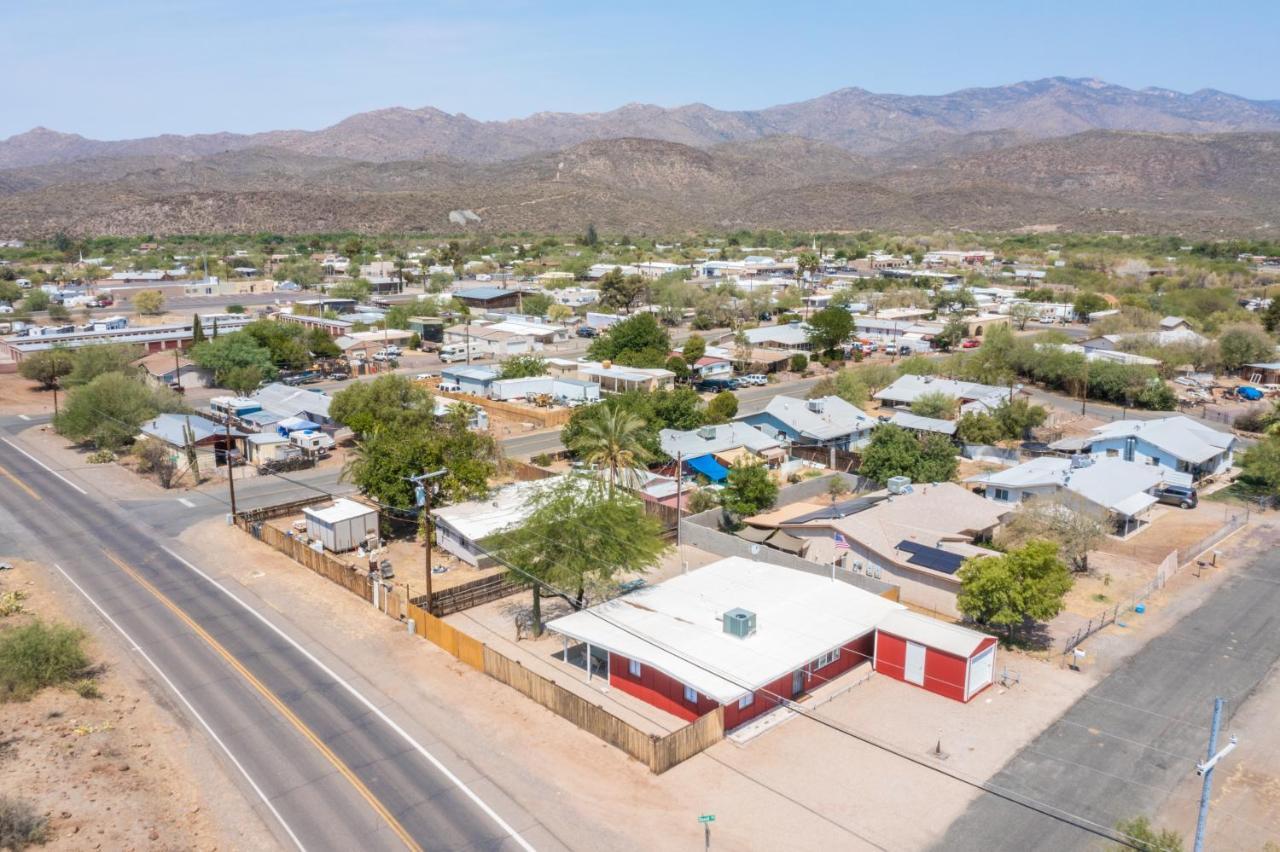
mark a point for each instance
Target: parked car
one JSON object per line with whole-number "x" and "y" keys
{"x": 1183, "y": 496}
{"x": 905, "y": 350}
{"x": 715, "y": 385}
{"x": 587, "y": 331}
{"x": 971, "y": 343}
{"x": 756, "y": 379}
{"x": 393, "y": 350}
{"x": 382, "y": 355}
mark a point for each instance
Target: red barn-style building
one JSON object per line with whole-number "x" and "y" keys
{"x": 745, "y": 636}
{"x": 944, "y": 658}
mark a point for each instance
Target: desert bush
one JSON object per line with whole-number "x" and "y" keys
{"x": 20, "y": 824}
{"x": 86, "y": 687}
{"x": 101, "y": 457}
{"x": 38, "y": 655}
{"x": 11, "y": 602}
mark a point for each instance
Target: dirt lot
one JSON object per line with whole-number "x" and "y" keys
{"x": 21, "y": 396}
{"x": 1170, "y": 528}
{"x": 119, "y": 771}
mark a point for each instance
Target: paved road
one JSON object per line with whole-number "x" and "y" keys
{"x": 325, "y": 768}
{"x": 1119, "y": 751}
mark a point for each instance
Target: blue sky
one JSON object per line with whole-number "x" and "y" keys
{"x": 116, "y": 69}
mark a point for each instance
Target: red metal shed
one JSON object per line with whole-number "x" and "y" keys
{"x": 944, "y": 658}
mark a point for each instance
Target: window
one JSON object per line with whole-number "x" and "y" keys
{"x": 746, "y": 701}
{"x": 691, "y": 695}
{"x": 1111, "y": 454}
{"x": 826, "y": 659}
{"x": 634, "y": 667}
{"x": 1002, "y": 494}
{"x": 1153, "y": 461}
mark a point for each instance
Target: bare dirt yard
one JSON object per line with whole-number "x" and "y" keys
{"x": 115, "y": 771}
{"x": 22, "y": 396}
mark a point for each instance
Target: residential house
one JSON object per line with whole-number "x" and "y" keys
{"x": 282, "y": 402}
{"x": 793, "y": 336}
{"x": 917, "y": 539}
{"x": 488, "y": 339}
{"x": 490, "y": 298}
{"x": 181, "y": 432}
{"x": 709, "y": 450}
{"x": 171, "y": 370}
{"x": 1178, "y": 443}
{"x": 827, "y": 421}
{"x": 465, "y": 378}
{"x": 970, "y": 396}
{"x": 916, "y": 423}
{"x": 462, "y": 528}
{"x": 1107, "y": 488}
{"x": 620, "y": 379}
{"x": 743, "y": 636}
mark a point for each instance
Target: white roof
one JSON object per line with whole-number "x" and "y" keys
{"x": 1112, "y": 483}
{"x": 676, "y": 626}
{"x": 479, "y": 519}
{"x": 794, "y": 334}
{"x": 949, "y": 638}
{"x": 714, "y": 439}
{"x": 836, "y": 419}
{"x": 1180, "y": 436}
{"x": 909, "y": 388}
{"x": 907, "y": 420}
{"x": 341, "y": 510}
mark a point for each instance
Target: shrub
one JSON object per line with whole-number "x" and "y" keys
{"x": 541, "y": 459}
{"x": 38, "y": 655}
{"x": 20, "y": 825}
{"x": 102, "y": 457}
{"x": 1253, "y": 420}
{"x": 799, "y": 362}
{"x": 87, "y": 687}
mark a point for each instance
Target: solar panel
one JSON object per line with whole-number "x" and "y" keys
{"x": 931, "y": 557}
{"x": 839, "y": 510}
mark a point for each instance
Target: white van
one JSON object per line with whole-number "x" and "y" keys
{"x": 451, "y": 352}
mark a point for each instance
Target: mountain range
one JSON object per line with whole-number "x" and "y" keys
{"x": 1054, "y": 153}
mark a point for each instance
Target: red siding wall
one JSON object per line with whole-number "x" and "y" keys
{"x": 656, "y": 688}
{"x": 944, "y": 673}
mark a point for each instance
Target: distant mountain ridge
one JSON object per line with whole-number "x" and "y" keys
{"x": 863, "y": 122}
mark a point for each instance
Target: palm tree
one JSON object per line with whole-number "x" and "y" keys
{"x": 612, "y": 439}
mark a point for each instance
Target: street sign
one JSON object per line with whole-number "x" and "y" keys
{"x": 707, "y": 818}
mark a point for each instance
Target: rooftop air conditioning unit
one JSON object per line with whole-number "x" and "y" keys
{"x": 815, "y": 405}
{"x": 899, "y": 484}
{"x": 706, "y": 433}
{"x": 740, "y": 622}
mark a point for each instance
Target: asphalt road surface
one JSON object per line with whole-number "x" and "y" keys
{"x": 1120, "y": 750}
{"x": 325, "y": 768}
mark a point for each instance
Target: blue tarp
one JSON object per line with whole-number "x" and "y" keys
{"x": 708, "y": 467}
{"x": 296, "y": 424}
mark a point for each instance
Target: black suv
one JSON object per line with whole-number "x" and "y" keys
{"x": 1178, "y": 495}
{"x": 587, "y": 331}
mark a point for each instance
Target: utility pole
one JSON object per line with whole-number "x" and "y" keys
{"x": 679, "y": 500}
{"x": 231, "y": 479}
{"x": 422, "y": 493}
{"x": 55, "y": 397}
{"x": 1206, "y": 770}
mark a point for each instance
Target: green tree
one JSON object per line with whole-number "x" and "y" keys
{"x": 637, "y": 341}
{"x": 1270, "y": 317}
{"x": 1260, "y": 466}
{"x": 230, "y": 351}
{"x": 799, "y": 362}
{"x": 92, "y": 361}
{"x": 578, "y": 539}
{"x": 149, "y": 302}
{"x": 677, "y": 365}
{"x": 36, "y": 300}
{"x": 522, "y": 366}
{"x": 243, "y": 380}
{"x": 358, "y": 289}
{"x": 951, "y": 335}
{"x": 1087, "y": 303}
{"x": 391, "y": 400}
{"x": 722, "y": 408}
{"x": 320, "y": 344}
{"x": 680, "y": 409}
{"x": 1018, "y": 417}
{"x": 10, "y": 292}
{"x": 695, "y": 346}
{"x": 536, "y": 305}
{"x": 59, "y": 312}
{"x": 1020, "y": 314}
{"x": 749, "y": 490}
{"x": 893, "y": 451}
{"x": 1144, "y": 837}
{"x": 620, "y": 291}
{"x": 1065, "y": 519}
{"x": 978, "y": 427}
{"x": 108, "y": 412}
{"x": 611, "y": 439}
{"x": 47, "y": 366}
{"x": 1245, "y": 344}
{"x": 829, "y": 328}
{"x": 935, "y": 404}
{"x": 847, "y": 384}
{"x": 197, "y": 330}
{"x": 1005, "y": 591}
{"x": 591, "y": 238}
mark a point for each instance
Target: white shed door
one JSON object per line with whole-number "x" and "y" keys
{"x": 914, "y": 671}
{"x": 981, "y": 670}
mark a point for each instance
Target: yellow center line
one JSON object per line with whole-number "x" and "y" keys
{"x": 18, "y": 482}
{"x": 266, "y": 693}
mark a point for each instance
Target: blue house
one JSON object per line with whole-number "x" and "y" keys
{"x": 825, "y": 422}
{"x": 1177, "y": 443}
{"x": 468, "y": 379}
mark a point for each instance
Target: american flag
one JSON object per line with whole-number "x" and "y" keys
{"x": 841, "y": 542}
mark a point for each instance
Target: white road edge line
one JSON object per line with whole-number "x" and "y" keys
{"x": 23, "y": 417}
{"x": 184, "y": 501}
{"x": 45, "y": 466}
{"x": 458, "y": 782}
{"x": 190, "y": 708}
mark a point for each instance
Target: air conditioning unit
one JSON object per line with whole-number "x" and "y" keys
{"x": 815, "y": 405}
{"x": 739, "y": 622}
{"x": 707, "y": 433}
{"x": 899, "y": 484}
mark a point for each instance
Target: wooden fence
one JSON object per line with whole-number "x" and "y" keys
{"x": 525, "y": 472}
{"x": 470, "y": 594}
{"x": 658, "y": 753}
{"x": 541, "y": 417}
{"x": 321, "y": 563}
{"x": 293, "y": 507}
